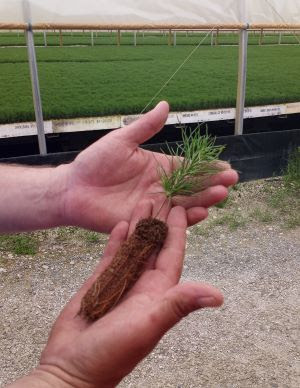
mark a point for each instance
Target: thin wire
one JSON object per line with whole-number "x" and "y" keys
{"x": 179, "y": 68}
{"x": 284, "y": 21}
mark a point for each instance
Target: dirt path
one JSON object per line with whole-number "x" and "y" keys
{"x": 252, "y": 341}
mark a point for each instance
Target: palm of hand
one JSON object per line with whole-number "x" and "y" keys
{"x": 102, "y": 353}
{"x": 110, "y": 183}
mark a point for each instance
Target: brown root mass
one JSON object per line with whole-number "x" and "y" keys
{"x": 124, "y": 270}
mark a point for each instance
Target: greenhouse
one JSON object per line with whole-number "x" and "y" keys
{"x": 149, "y": 193}
{"x": 98, "y": 65}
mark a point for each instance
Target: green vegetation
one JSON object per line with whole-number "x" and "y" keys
{"x": 292, "y": 173}
{"x": 286, "y": 201}
{"x": 143, "y": 38}
{"x": 273, "y": 201}
{"x": 91, "y": 237}
{"x": 20, "y": 244}
{"x": 233, "y": 220}
{"x": 199, "y": 163}
{"x": 104, "y": 80}
{"x": 263, "y": 215}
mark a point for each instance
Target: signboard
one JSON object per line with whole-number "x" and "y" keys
{"x": 174, "y": 118}
{"x": 23, "y": 129}
{"x": 86, "y": 124}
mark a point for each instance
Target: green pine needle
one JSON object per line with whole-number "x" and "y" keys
{"x": 197, "y": 160}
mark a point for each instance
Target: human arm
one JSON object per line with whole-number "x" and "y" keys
{"x": 30, "y": 198}
{"x": 80, "y": 354}
{"x": 101, "y": 186}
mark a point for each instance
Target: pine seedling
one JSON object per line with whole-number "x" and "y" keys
{"x": 197, "y": 160}
{"x": 189, "y": 177}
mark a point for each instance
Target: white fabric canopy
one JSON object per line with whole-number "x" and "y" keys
{"x": 151, "y": 12}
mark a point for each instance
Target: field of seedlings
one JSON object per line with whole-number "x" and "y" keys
{"x": 107, "y": 79}
{"x": 146, "y": 38}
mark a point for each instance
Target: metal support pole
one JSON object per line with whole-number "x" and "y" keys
{"x": 170, "y": 38}
{"x": 134, "y": 38}
{"x": 212, "y": 38}
{"x": 261, "y": 38}
{"x": 242, "y": 76}
{"x": 217, "y": 37}
{"x": 36, "y": 91}
{"x": 60, "y": 38}
{"x": 174, "y": 39}
{"x": 92, "y": 38}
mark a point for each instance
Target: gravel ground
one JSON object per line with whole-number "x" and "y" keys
{"x": 252, "y": 341}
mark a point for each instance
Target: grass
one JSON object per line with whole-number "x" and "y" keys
{"x": 275, "y": 202}
{"x": 233, "y": 220}
{"x": 86, "y": 81}
{"x": 91, "y": 237}
{"x": 292, "y": 172}
{"x": 262, "y": 215}
{"x": 19, "y": 244}
{"x": 146, "y": 38}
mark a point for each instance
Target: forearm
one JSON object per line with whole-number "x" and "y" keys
{"x": 30, "y": 198}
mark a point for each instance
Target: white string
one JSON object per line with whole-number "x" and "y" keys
{"x": 180, "y": 66}
{"x": 195, "y": 49}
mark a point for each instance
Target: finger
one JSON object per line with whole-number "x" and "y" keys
{"x": 143, "y": 209}
{"x": 181, "y": 300}
{"x": 171, "y": 256}
{"x": 118, "y": 235}
{"x": 196, "y": 214}
{"x": 147, "y": 126}
{"x": 206, "y": 198}
{"x": 146, "y": 321}
{"x": 226, "y": 178}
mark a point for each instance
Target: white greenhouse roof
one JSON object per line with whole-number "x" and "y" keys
{"x": 151, "y": 13}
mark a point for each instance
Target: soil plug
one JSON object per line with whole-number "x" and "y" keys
{"x": 124, "y": 270}
{"x": 189, "y": 178}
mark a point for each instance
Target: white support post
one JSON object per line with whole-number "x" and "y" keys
{"x": 212, "y": 38}
{"x": 36, "y": 90}
{"x": 242, "y": 76}
{"x": 174, "y": 39}
{"x": 280, "y": 37}
{"x": 134, "y": 38}
{"x": 92, "y": 38}
{"x": 45, "y": 38}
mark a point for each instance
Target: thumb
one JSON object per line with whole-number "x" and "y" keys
{"x": 183, "y": 299}
{"x": 147, "y": 126}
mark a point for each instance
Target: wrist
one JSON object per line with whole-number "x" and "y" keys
{"x": 31, "y": 198}
{"x": 40, "y": 378}
{"x": 47, "y": 376}
{"x": 57, "y": 193}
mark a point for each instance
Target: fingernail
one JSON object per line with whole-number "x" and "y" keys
{"x": 206, "y": 301}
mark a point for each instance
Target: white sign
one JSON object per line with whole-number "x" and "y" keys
{"x": 23, "y": 129}
{"x": 264, "y": 111}
{"x": 86, "y": 124}
{"x": 174, "y": 118}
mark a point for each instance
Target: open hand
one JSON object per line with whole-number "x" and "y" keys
{"x": 100, "y": 354}
{"x": 106, "y": 181}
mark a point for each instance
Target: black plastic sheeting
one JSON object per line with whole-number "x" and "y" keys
{"x": 254, "y": 156}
